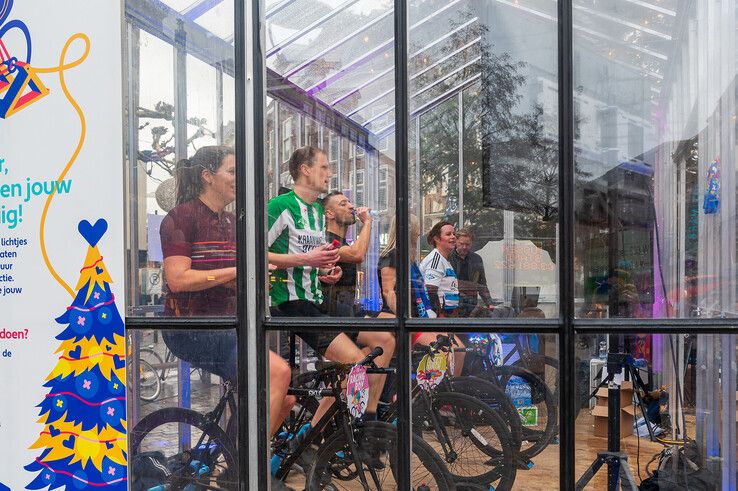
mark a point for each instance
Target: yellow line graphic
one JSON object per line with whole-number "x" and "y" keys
{"x": 60, "y": 69}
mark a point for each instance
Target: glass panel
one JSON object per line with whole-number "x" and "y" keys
{"x": 218, "y": 19}
{"x": 676, "y": 412}
{"x": 655, "y": 159}
{"x": 201, "y": 103}
{"x": 489, "y": 406}
{"x": 484, "y": 154}
{"x": 314, "y": 430}
{"x": 182, "y": 252}
{"x": 182, "y": 375}
{"x": 350, "y": 202}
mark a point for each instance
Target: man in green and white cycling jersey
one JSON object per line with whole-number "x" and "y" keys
{"x": 296, "y": 240}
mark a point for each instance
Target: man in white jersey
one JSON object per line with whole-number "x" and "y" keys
{"x": 439, "y": 275}
{"x": 298, "y": 250}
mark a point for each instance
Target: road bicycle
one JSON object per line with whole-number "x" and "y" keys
{"x": 534, "y": 401}
{"x": 352, "y": 454}
{"x": 471, "y": 436}
{"x": 199, "y": 452}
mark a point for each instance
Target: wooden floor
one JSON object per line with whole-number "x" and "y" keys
{"x": 545, "y": 473}
{"x": 544, "y": 476}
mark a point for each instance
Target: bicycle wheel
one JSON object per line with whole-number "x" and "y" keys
{"x": 149, "y": 383}
{"x": 495, "y": 397}
{"x": 471, "y": 438}
{"x": 176, "y": 432}
{"x": 155, "y": 359}
{"x": 377, "y": 450}
{"x": 541, "y": 420}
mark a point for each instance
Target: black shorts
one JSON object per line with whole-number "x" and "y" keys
{"x": 317, "y": 340}
{"x": 214, "y": 351}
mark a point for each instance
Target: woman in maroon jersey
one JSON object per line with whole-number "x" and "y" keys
{"x": 198, "y": 238}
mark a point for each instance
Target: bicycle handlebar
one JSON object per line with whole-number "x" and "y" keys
{"x": 443, "y": 342}
{"x": 378, "y": 351}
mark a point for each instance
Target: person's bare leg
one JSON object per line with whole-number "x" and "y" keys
{"x": 458, "y": 356}
{"x": 326, "y": 402}
{"x": 341, "y": 350}
{"x": 371, "y": 340}
{"x": 280, "y": 377}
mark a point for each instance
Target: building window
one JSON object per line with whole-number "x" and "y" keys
{"x": 383, "y": 193}
{"x": 359, "y": 188}
{"x": 287, "y": 139}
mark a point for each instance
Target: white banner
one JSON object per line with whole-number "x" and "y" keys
{"x": 62, "y": 374}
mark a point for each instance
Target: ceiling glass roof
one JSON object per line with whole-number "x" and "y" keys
{"x": 341, "y": 51}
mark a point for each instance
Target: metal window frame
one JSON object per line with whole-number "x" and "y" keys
{"x": 252, "y": 325}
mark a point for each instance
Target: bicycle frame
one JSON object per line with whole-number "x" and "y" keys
{"x": 338, "y": 410}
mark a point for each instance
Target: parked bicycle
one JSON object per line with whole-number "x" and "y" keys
{"x": 154, "y": 370}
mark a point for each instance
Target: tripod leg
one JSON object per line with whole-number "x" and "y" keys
{"x": 613, "y": 474}
{"x": 626, "y": 478}
{"x": 589, "y": 473}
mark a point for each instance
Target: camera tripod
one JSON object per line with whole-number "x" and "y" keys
{"x": 618, "y": 472}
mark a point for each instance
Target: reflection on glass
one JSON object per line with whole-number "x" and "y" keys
{"x": 677, "y": 408}
{"x": 483, "y": 105}
{"x": 173, "y": 391}
{"x": 330, "y": 86}
{"x": 178, "y": 103}
{"x": 655, "y": 159}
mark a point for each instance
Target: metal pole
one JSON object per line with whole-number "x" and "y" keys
{"x": 180, "y": 93}
{"x": 613, "y": 433}
{"x": 567, "y": 372}
{"x": 404, "y": 421}
{"x": 254, "y": 285}
{"x": 460, "y": 103}
{"x": 728, "y": 421}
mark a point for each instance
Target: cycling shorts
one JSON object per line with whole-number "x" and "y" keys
{"x": 317, "y": 340}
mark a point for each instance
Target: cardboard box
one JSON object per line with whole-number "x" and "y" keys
{"x": 627, "y": 411}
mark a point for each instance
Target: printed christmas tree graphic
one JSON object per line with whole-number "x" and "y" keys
{"x": 84, "y": 411}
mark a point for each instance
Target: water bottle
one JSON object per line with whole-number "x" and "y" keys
{"x": 603, "y": 350}
{"x": 372, "y": 213}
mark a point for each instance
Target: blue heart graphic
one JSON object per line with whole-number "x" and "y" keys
{"x": 69, "y": 442}
{"x": 76, "y": 352}
{"x": 98, "y": 270}
{"x": 53, "y": 431}
{"x": 108, "y": 445}
{"x": 93, "y": 233}
{"x": 108, "y": 347}
{"x": 118, "y": 362}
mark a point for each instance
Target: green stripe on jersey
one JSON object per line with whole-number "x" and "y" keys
{"x": 295, "y": 227}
